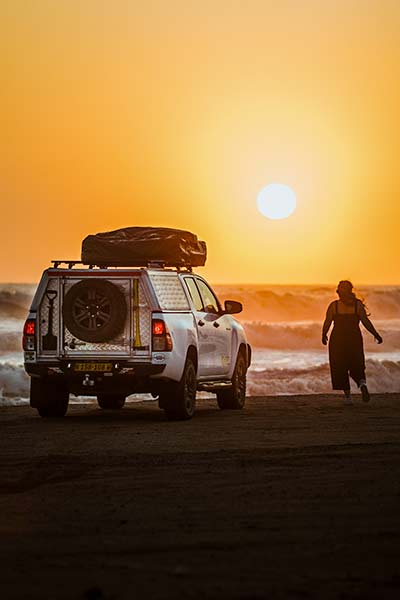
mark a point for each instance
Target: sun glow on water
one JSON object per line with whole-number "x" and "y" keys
{"x": 276, "y": 201}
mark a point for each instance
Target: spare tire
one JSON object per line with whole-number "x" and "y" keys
{"x": 94, "y": 310}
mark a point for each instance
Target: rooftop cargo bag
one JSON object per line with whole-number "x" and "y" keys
{"x": 139, "y": 246}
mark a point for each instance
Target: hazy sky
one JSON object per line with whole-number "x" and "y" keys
{"x": 118, "y": 113}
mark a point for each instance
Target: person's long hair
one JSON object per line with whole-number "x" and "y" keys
{"x": 346, "y": 294}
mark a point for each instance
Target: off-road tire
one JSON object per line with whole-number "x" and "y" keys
{"x": 94, "y": 310}
{"x": 234, "y": 398}
{"x": 111, "y": 401}
{"x": 180, "y": 403}
{"x": 50, "y": 398}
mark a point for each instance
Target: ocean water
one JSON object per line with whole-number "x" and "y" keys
{"x": 283, "y": 325}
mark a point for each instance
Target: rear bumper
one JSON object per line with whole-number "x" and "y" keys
{"x": 125, "y": 377}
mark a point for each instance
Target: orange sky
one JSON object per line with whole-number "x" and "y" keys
{"x": 175, "y": 113}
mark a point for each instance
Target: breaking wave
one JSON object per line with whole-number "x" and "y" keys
{"x": 307, "y": 335}
{"x": 14, "y": 384}
{"x": 10, "y": 341}
{"x": 382, "y": 376}
{"x": 305, "y": 303}
{"x": 15, "y": 300}
{"x": 261, "y": 302}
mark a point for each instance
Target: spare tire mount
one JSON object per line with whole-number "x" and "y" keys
{"x": 94, "y": 310}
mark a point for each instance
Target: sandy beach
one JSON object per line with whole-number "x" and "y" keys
{"x": 294, "y": 497}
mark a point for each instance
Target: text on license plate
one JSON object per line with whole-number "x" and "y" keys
{"x": 103, "y": 367}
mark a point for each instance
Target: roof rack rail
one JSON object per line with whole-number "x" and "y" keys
{"x": 161, "y": 264}
{"x": 70, "y": 263}
{"x": 152, "y": 264}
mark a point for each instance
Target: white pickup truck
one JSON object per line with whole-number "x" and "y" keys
{"x": 112, "y": 332}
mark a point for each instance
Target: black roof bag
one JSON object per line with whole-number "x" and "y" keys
{"x": 139, "y": 246}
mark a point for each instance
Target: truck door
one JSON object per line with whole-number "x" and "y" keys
{"x": 205, "y": 350}
{"x": 218, "y": 331}
{"x": 214, "y": 333}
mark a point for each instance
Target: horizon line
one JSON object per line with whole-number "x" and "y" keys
{"x": 243, "y": 283}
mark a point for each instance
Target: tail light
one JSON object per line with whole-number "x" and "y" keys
{"x": 29, "y": 335}
{"x": 161, "y": 337}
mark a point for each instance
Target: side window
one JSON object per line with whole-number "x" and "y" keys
{"x": 194, "y": 293}
{"x": 210, "y": 302}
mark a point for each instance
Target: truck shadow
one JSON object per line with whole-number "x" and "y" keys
{"x": 148, "y": 412}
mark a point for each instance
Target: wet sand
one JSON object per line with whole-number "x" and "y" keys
{"x": 294, "y": 497}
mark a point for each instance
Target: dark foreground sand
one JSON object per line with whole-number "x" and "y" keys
{"x": 294, "y": 497}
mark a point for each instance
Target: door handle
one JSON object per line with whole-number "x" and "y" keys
{"x": 216, "y": 324}
{"x": 201, "y": 323}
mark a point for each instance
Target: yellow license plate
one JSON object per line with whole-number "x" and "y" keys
{"x": 102, "y": 367}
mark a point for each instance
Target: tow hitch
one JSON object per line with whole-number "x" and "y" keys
{"x": 87, "y": 382}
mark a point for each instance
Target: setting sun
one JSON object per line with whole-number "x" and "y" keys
{"x": 276, "y": 201}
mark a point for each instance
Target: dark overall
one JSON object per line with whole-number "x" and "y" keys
{"x": 346, "y": 351}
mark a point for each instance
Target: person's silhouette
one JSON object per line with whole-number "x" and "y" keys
{"x": 346, "y": 352}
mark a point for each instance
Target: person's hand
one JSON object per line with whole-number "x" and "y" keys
{"x": 324, "y": 340}
{"x": 378, "y": 339}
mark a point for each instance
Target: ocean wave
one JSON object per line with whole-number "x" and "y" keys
{"x": 14, "y": 382}
{"x": 10, "y": 341}
{"x": 260, "y": 302}
{"x": 307, "y": 336}
{"x": 278, "y": 336}
{"x": 382, "y": 376}
{"x": 305, "y": 303}
{"x": 7, "y": 401}
{"x": 15, "y": 301}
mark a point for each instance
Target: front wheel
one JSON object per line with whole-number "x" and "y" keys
{"x": 235, "y": 397}
{"x": 111, "y": 401}
{"x": 50, "y": 398}
{"x": 180, "y": 404}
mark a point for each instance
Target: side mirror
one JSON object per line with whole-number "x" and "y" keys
{"x": 232, "y": 307}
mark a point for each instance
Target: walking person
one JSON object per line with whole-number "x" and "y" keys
{"x": 346, "y": 351}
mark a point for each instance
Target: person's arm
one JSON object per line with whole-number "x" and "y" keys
{"x": 367, "y": 323}
{"x": 327, "y": 324}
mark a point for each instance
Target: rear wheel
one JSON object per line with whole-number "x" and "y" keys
{"x": 111, "y": 401}
{"x": 50, "y": 398}
{"x": 179, "y": 402}
{"x": 235, "y": 397}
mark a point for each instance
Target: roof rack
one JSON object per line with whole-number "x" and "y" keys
{"x": 153, "y": 264}
{"x": 70, "y": 263}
